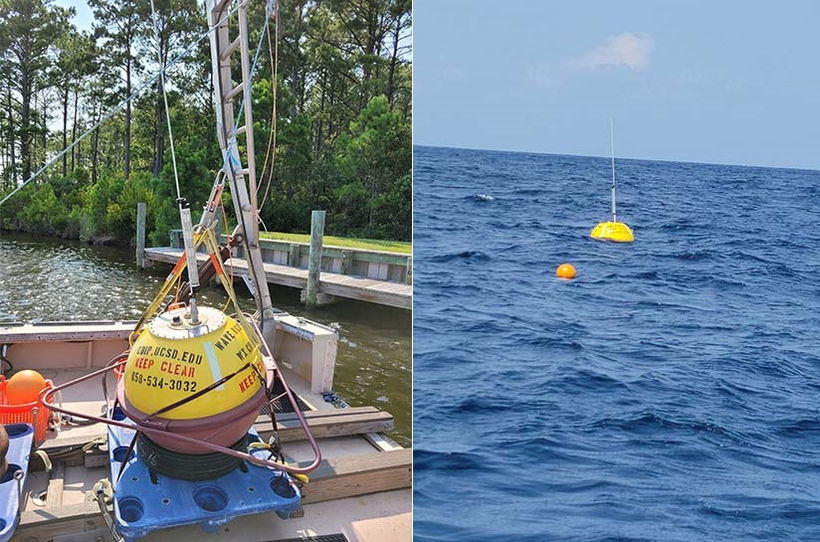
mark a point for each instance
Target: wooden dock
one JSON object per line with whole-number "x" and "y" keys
{"x": 347, "y": 286}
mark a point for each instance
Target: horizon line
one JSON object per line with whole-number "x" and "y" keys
{"x": 800, "y": 168}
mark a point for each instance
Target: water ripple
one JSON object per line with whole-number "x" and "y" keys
{"x": 668, "y": 393}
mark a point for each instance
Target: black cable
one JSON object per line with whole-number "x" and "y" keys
{"x": 198, "y": 394}
{"x": 3, "y": 350}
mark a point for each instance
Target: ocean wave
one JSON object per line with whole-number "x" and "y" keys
{"x": 470, "y": 255}
{"x": 666, "y": 392}
{"x": 431, "y": 460}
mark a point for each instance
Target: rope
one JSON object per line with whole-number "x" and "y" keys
{"x": 137, "y": 93}
{"x": 227, "y": 236}
{"x": 274, "y": 58}
{"x": 172, "y": 277}
{"x": 165, "y": 97}
{"x": 207, "y": 237}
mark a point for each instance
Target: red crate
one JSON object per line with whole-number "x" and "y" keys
{"x": 25, "y": 413}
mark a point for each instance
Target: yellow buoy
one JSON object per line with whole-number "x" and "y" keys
{"x": 612, "y": 231}
{"x": 565, "y": 271}
{"x": 173, "y": 359}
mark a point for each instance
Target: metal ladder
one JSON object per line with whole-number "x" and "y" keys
{"x": 242, "y": 194}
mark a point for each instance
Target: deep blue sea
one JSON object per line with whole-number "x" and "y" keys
{"x": 670, "y": 392}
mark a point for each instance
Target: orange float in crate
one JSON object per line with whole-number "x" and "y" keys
{"x": 24, "y": 387}
{"x": 25, "y": 413}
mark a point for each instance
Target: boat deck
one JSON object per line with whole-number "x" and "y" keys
{"x": 363, "y": 289}
{"x": 361, "y": 489}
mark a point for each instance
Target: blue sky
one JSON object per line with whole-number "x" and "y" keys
{"x": 725, "y": 82}
{"x": 83, "y": 16}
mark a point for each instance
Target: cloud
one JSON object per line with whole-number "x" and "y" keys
{"x": 627, "y": 49}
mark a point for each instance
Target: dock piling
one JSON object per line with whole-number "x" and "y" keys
{"x": 141, "y": 210}
{"x": 408, "y": 276}
{"x": 317, "y": 231}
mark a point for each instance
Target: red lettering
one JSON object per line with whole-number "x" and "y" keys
{"x": 176, "y": 369}
{"x": 246, "y": 382}
{"x": 143, "y": 363}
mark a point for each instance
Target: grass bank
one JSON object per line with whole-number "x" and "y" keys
{"x": 400, "y": 247}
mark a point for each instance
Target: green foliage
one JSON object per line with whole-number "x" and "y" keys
{"x": 121, "y": 214}
{"x": 342, "y": 102}
{"x": 42, "y": 214}
{"x": 374, "y": 162}
{"x": 399, "y": 247}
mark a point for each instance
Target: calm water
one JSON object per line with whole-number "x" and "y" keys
{"x": 48, "y": 280}
{"x": 671, "y": 392}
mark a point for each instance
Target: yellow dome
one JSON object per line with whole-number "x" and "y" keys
{"x": 172, "y": 359}
{"x": 612, "y": 231}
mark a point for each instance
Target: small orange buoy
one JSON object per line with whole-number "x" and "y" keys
{"x": 565, "y": 271}
{"x": 24, "y": 387}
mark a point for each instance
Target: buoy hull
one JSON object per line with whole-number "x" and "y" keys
{"x": 224, "y": 428}
{"x": 172, "y": 360}
{"x": 617, "y": 232}
{"x": 204, "y": 380}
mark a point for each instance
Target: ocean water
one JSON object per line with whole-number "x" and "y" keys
{"x": 670, "y": 392}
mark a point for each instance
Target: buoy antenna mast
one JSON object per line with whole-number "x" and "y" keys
{"x": 612, "y": 148}
{"x": 612, "y": 231}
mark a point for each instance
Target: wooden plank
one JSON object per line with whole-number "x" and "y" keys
{"x": 381, "y": 442}
{"x": 67, "y": 523}
{"x": 293, "y": 254}
{"x": 400, "y": 300}
{"x": 54, "y": 493}
{"x": 65, "y": 331}
{"x": 311, "y": 415}
{"x": 333, "y": 251}
{"x": 336, "y": 478}
{"x": 323, "y": 424}
{"x": 341, "y": 477}
{"x": 326, "y": 427}
{"x": 363, "y": 289}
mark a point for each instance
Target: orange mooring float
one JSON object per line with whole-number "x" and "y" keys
{"x": 24, "y": 387}
{"x": 565, "y": 271}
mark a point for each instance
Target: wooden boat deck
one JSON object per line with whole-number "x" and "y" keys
{"x": 351, "y": 287}
{"x": 361, "y": 489}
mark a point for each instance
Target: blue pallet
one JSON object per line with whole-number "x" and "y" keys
{"x": 21, "y": 436}
{"x": 141, "y": 506}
